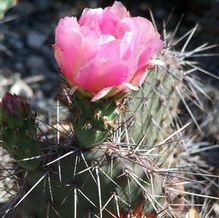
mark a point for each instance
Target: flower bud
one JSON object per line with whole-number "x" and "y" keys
{"x": 18, "y": 131}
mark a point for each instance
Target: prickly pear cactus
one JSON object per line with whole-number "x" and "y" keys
{"x": 105, "y": 181}
{"x": 98, "y": 179}
{"x": 78, "y": 179}
{"x": 107, "y": 165}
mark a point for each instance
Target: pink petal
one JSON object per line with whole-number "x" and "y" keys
{"x": 89, "y": 33}
{"x": 149, "y": 50}
{"x": 67, "y": 23}
{"x": 101, "y": 21}
{"x": 90, "y": 45}
{"x": 68, "y": 47}
{"x": 101, "y": 73}
{"x": 119, "y": 10}
{"x": 92, "y": 18}
{"x": 129, "y": 86}
{"x": 140, "y": 75}
{"x": 104, "y": 39}
{"x": 102, "y": 93}
{"x": 126, "y": 45}
{"x": 90, "y": 15}
{"x": 65, "y": 26}
{"x": 109, "y": 23}
{"x": 141, "y": 61}
{"x": 104, "y": 21}
{"x": 142, "y": 29}
{"x": 126, "y": 25}
{"x": 146, "y": 31}
{"x": 110, "y": 91}
{"x": 109, "y": 50}
{"x": 72, "y": 49}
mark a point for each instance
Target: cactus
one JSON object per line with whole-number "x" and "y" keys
{"x": 101, "y": 179}
{"x": 108, "y": 166}
{"x": 105, "y": 180}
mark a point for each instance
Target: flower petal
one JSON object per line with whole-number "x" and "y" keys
{"x": 119, "y": 10}
{"x": 109, "y": 50}
{"x": 68, "y": 48}
{"x": 146, "y": 31}
{"x": 101, "y": 73}
{"x": 148, "y": 51}
{"x": 140, "y": 75}
{"x": 126, "y": 45}
{"x": 92, "y": 18}
{"x": 102, "y": 93}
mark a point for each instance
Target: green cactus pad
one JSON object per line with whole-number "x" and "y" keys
{"x": 152, "y": 109}
{"x": 93, "y": 121}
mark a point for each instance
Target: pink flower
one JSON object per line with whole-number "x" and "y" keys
{"x": 106, "y": 51}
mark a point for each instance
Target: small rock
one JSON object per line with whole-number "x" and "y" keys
{"x": 19, "y": 66}
{"x": 216, "y": 208}
{"x": 16, "y": 43}
{"x": 36, "y": 64}
{"x": 36, "y": 39}
{"x": 42, "y": 4}
{"x": 22, "y": 89}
